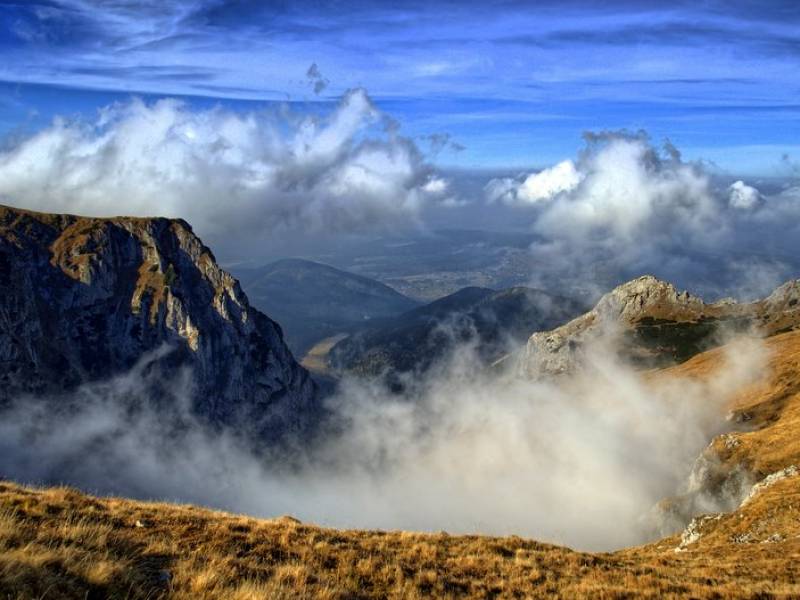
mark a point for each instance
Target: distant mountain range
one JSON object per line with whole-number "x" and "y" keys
{"x": 427, "y": 265}
{"x": 493, "y": 321}
{"x": 313, "y": 301}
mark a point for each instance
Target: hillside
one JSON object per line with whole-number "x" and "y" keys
{"x": 495, "y": 321}
{"x": 313, "y": 301}
{"x": 62, "y": 543}
{"x": 428, "y": 265}
{"x": 85, "y": 300}
{"x": 652, "y": 324}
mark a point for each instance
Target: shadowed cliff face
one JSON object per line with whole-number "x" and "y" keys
{"x": 496, "y": 322}
{"x": 83, "y": 299}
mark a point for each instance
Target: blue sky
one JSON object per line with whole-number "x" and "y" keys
{"x": 514, "y": 84}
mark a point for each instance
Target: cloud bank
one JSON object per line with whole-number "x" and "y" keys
{"x": 625, "y": 207}
{"x": 226, "y": 171}
{"x": 743, "y": 196}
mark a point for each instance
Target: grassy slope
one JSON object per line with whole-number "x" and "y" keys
{"x": 59, "y": 543}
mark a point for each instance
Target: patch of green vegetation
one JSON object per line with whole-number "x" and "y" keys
{"x": 675, "y": 342}
{"x": 170, "y": 276}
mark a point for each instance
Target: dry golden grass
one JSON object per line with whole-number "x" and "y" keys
{"x": 768, "y": 412}
{"x": 60, "y": 543}
{"x": 316, "y": 359}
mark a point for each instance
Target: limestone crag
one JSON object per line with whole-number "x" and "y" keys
{"x": 83, "y": 299}
{"x": 652, "y": 324}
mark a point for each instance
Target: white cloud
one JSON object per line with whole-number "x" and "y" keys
{"x": 502, "y": 190}
{"x": 435, "y": 185}
{"x": 625, "y": 207}
{"x": 563, "y": 177}
{"x": 628, "y": 191}
{"x": 536, "y": 187}
{"x": 224, "y": 170}
{"x": 743, "y": 196}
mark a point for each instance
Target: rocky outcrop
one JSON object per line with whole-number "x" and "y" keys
{"x": 758, "y": 530}
{"x": 694, "y": 531}
{"x": 652, "y": 324}
{"x": 714, "y": 485}
{"x": 83, "y": 299}
{"x": 770, "y": 480}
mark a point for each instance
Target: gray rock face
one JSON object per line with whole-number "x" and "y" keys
{"x": 653, "y": 324}
{"x": 83, "y": 299}
{"x": 648, "y": 297}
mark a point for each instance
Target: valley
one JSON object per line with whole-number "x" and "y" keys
{"x": 61, "y": 541}
{"x": 429, "y": 265}
{"x": 390, "y": 402}
{"x": 378, "y": 300}
{"x": 317, "y": 358}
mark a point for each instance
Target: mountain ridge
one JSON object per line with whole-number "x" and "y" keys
{"x": 491, "y": 319}
{"x": 656, "y": 325}
{"x": 85, "y": 298}
{"x": 313, "y": 300}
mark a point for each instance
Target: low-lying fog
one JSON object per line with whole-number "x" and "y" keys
{"x": 579, "y": 461}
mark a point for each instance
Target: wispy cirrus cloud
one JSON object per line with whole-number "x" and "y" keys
{"x": 367, "y": 36}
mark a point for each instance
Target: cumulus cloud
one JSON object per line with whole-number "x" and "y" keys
{"x": 537, "y": 187}
{"x": 627, "y": 190}
{"x": 624, "y": 207}
{"x": 743, "y": 196}
{"x": 225, "y": 171}
{"x": 436, "y": 185}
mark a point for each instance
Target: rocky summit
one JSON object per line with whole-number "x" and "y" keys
{"x": 652, "y": 324}
{"x": 85, "y": 299}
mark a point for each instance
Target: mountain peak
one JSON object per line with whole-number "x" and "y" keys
{"x": 84, "y": 298}
{"x": 648, "y": 296}
{"x": 658, "y": 325}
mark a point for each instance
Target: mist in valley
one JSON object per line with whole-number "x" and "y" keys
{"x": 578, "y": 461}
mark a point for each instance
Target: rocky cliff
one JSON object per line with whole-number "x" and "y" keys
{"x": 84, "y": 299}
{"x": 652, "y": 324}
